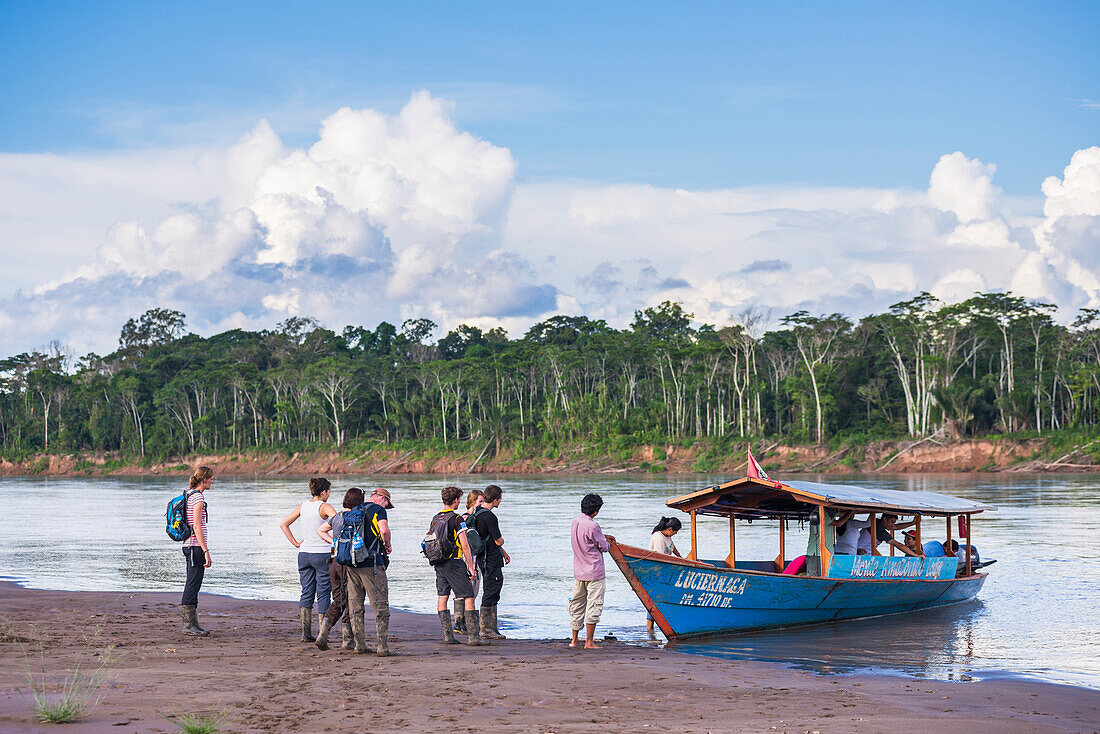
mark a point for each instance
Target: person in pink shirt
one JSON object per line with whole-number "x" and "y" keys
{"x": 589, "y": 545}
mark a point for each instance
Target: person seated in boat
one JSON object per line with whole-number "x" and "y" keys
{"x": 936, "y": 549}
{"x": 885, "y": 528}
{"x": 959, "y": 551}
{"x": 849, "y": 533}
{"x": 914, "y": 546}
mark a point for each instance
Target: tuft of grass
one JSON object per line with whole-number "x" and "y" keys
{"x": 192, "y": 724}
{"x": 8, "y": 632}
{"x": 67, "y": 700}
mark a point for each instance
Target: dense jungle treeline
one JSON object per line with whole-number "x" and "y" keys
{"x": 996, "y": 363}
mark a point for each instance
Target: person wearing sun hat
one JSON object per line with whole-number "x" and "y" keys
{"x": 369, "y": 580}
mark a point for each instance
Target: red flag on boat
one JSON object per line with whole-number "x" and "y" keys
{"x": 755, "y": 470}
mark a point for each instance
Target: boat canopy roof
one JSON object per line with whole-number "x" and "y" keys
{"x": 761, "y": 498}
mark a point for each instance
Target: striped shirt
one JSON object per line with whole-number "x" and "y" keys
{"x": 193, "y": 499}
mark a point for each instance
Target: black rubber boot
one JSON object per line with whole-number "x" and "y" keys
{"x": 460, "y": 621}
{"x": 359, "y": 633}
{"x": 306, "y": 615}
{"x": 322, "y": 634}
{"x": 190, "y": 615}
{"x": 346, "y": 638}
{"x": 448, "y": 631}
{"x": 473, "y": 629}
{"x": 382, "y": 628}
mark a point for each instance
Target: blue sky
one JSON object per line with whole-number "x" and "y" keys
{"x": 694, "y": 95}
{"x": 499, "y": 163}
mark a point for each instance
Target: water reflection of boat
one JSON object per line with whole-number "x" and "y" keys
{"x": 944, "y": 648}
{"x": 689, "y": 597}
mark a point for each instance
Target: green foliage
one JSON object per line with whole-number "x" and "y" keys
{"x": 67, "y": 699}
{"x": 994, "y": 364}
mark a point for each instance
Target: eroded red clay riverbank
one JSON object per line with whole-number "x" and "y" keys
{"x": 929, "y": 456}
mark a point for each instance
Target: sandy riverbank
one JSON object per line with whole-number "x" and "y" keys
{"x": 253, "y": 673}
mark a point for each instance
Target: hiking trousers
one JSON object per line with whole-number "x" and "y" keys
{"x": 313, "y": 573}
{"x": 493, "y": 582}
{"x": 586, "y": 604}
{"x": 196, "y": 569}
{"x": 369, "y": 581}
{"x": 338, "y": 577}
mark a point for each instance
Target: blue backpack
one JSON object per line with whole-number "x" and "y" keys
{"x": 176, "y": 524}
{"x": 358, "y": 542}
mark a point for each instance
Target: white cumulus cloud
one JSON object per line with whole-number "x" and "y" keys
{"x": 406, "y": 215}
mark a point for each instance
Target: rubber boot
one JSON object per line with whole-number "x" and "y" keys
{"x": 359, "y": 633}
{"x": 322, "y": 634}
{"x": 486, "y": 623}
{"x": 306, "y": 615}
{"x": 472, "y": 629}
{"x": 382, "y": 629}
{"x": 494, "y": 631}
{"x": 190, "y": 621}
{"x": 347, "y": 640}
{"x": 195, "y": 621}
{"x": 460, "y": 621}
{"x": 448, "y": 630}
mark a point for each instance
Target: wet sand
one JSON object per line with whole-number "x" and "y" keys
{"x": 254, "y": 675}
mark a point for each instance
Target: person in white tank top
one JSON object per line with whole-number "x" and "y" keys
{"x": 313, "y": 552}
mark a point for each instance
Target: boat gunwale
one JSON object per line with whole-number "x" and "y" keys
{"x": 644, "y": 554}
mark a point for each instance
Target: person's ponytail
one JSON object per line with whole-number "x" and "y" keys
{"x": 201, "y": 474}
{"x": 668, "y": 523}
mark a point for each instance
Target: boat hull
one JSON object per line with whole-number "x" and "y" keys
{"x": 689, "y": 599}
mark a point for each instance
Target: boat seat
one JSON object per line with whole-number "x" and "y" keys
{"x": 796, "y": 566}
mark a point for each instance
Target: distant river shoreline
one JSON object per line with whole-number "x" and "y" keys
{"x": 879, "y": 457}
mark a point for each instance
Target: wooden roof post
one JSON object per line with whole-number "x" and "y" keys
{"x": 822, "y": 528}
{"x": 731, "y": 559}
{"x": 781, "y": 560}
{"x": 947, "y": 548}
{"x": 693, "y": 555}
{"x": 969, "y": 539}
{"x": 874, "y": 534}
{"x": 917, "y": 519}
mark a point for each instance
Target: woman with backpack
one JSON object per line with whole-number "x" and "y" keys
{"x": 313, "y": 552}
{"x": 338, "y": 610}
{"x": 196, "y": 549}
{"x": 363, "y": 546}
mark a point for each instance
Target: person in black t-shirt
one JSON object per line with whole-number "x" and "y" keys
{"x": 492, "y": 560}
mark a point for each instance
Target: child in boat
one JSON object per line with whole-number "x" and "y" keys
{"x": 661, "y": 539}
{"x": 661, "y": 542}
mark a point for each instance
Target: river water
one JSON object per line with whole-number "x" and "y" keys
{"x": 1037, "y": 615}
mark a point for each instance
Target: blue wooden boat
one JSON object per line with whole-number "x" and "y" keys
{"x": 690, "y": 597}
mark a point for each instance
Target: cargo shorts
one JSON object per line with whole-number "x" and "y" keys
{"x": 452, "y": 576}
